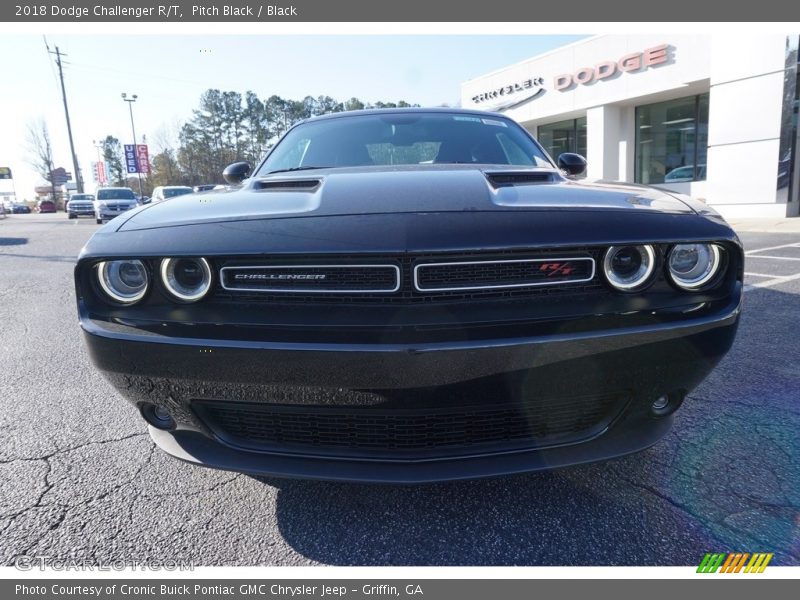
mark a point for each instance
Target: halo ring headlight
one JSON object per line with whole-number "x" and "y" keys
{"x": 692, "y": 266}
{"x": 629, "y": 267}
{"x": 123, "y": 281}
{"x": 187, "y": 279}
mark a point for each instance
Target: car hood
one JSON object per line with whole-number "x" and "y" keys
{"x": 418, "y": 189}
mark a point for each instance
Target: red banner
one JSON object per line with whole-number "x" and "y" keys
{"x": 142, "y": 158}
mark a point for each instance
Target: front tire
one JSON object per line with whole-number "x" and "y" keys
{"x": 99, "y": 221}
{"x": 71, "y": 216}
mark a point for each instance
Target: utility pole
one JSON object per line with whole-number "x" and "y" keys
{"x": 130, "y": 102}
{"x": 76, "y": 169}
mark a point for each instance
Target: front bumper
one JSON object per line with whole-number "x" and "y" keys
{"x": 107, "y": 215}
{"x": 641, "y": 364}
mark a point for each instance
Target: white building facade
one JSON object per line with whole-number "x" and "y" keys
{"x": 713, "y": 117}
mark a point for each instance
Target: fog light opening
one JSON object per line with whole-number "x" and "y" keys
{"x": 157, "y": 416}
{"x": 667, "y": 404}
{"x": 661, "y": 403}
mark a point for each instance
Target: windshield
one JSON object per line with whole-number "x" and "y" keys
{"x": 125, "y": 194}
{"x": 405, "y": 139}
{"x": 172, "y": 192}
{"x": 82, "y": 197}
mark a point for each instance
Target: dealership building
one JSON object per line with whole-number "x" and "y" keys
{"x": 714, "y": 117}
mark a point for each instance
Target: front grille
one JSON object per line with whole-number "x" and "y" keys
{"x": 374, "y": 432}
{"x": 407, "y": 294}
{"x": 476, "y": 275}
{"x": 312, "y": 278}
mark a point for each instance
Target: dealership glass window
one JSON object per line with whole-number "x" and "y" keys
{"x": 672, "y": 140}
{"x": 564, "y": 136}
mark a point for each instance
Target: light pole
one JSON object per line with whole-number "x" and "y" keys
{"x": 130, "y": 102}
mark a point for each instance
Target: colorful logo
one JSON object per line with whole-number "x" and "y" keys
{"x": 735, "y": 562}
{"x": 556, "y": 268}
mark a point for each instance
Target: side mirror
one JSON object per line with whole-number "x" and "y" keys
{"x": 237, "y": 172}
{"x": 571, "y": 163}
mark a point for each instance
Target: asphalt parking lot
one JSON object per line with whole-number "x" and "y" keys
{"x": 79, "y": 477}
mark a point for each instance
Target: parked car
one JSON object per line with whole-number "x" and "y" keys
{"x": 685, "y": 173}
{"x": 410, "y": 295}
{"x": 45, "y": 206}
{"x": 18, "y": 208}
{"x": 165, "y": 192}
{"x": 80, "y": 205}
{"x": 112, "y": 201}
{"x": 205, "y": 187}
{"x": 13, "y": 207}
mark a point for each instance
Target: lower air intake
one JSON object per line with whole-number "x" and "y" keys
{"x": 374, "y": 432}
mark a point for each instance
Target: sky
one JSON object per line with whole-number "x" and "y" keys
{"x": 170, "y": 72}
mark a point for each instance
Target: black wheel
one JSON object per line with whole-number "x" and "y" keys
{"x": 71, "y": 216}
{"x": 99, "y": 221}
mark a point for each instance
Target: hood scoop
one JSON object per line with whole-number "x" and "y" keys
{"x": 507, "y": 178}
{"x": 288, "y": 185}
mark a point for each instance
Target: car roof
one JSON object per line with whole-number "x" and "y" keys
{"x": 413, "y": 110}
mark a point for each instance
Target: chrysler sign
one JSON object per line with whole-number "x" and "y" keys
{"x": 511, "y": 95}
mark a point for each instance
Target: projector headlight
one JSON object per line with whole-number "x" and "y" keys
{"x": 691, "y": 266}
{"x": 123, "y": 281}
{"x": 187, "y": 279}
{"x": 629, "y": 267}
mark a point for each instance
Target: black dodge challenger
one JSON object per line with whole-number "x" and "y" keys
{"x": 406, "y": 296}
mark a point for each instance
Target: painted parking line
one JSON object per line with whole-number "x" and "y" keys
{"x": 768, "y": 276}
{"x": 771, "y": 282}
{"x": 761, "y": 264}
{"x": 757, "y": 250}
{"x": 775, "y": 257}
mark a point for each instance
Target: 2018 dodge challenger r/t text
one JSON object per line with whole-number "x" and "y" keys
{"x": 409, "y": 295}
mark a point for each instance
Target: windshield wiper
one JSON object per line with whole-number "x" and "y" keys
{"x": 306, "y": 168}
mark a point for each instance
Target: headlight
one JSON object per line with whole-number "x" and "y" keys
{"x": 629, "y": 267}
{"x": 124, "y": 281}
{"x": 188, "y": 279}
{"x": 691, "y": 266}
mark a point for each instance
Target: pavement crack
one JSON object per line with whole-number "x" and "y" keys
{"x": 704, "y": 519}
{"x": 46, "y": 457}
{"x": 212, "y": 488}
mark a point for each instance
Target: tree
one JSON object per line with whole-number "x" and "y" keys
{"x": 229, "y": 126}
{"x": 256, "y": 128}
{"x": 41, "y": 152}
{"x": 353, "y": 104}
{"x": 115, "y": 160}
{"x": 326, "y": 104}
{"x": 132, "y": 181}
{"x": 164, "y": 169}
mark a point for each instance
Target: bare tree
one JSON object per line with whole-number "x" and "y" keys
{"x": 41, "y": 152}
